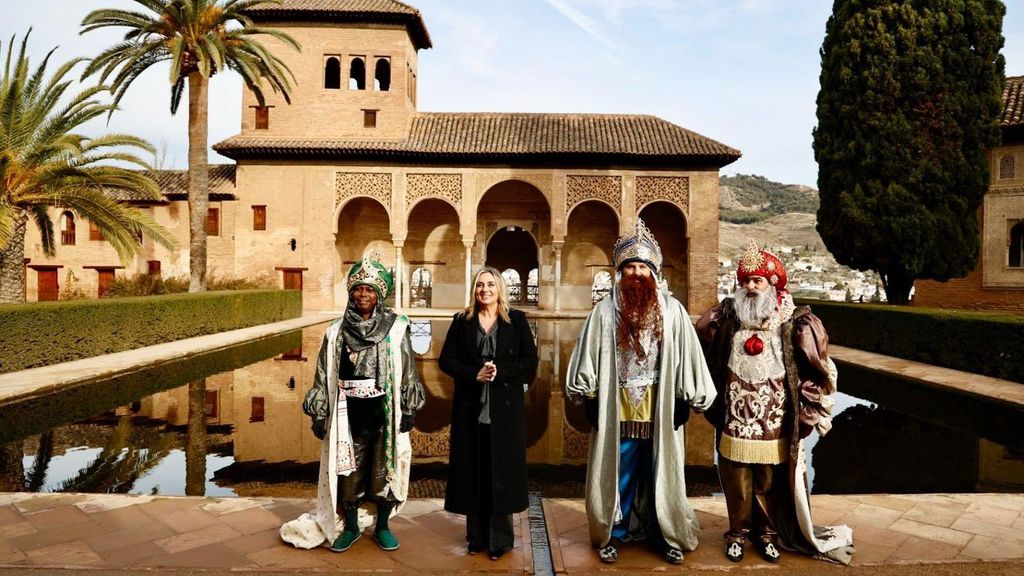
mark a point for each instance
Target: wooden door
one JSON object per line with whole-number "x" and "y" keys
{"x": 106, "y": 279}
{"x": 47, "y": 286}
{"x": 293, "y": 279}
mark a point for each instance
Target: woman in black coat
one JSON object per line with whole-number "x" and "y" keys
{"x": 490, "y": 353}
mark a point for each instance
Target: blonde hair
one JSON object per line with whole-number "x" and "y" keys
{"x": 499, "y": 280}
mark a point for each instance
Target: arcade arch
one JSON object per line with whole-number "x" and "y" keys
{"x": 433, "y": 244}
{"x": 514, "y": 231}
{"x": 668, "y": 224}
{"x": 363, "y": 225}
{"x": 591, "y": 232}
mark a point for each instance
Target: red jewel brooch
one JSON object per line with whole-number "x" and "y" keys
{"x": 754, "y": 345}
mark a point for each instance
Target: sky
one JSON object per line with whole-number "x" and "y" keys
{"x": 743, "y": 72}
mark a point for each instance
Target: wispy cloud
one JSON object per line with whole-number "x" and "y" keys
{"x": 584, "y": 22}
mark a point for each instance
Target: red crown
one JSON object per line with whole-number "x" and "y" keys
{"x": 757, "y": 262}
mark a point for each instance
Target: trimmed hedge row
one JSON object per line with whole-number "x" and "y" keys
{"x": 988, "y": 343}
{"x": 44, "y": 333}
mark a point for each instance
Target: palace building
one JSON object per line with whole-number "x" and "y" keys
{"x": 352, "y": 165}
{"x": 997, "y": 283}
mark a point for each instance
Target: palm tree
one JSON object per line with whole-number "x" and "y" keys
{"x": 44, "y": 163}
{"x": 199, "y": 38}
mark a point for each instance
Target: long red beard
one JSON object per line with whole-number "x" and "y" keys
{"x": 638, "y": 311}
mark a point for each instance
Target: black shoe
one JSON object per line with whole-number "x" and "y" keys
{"x": 609, "y": 553}
{"x": 473, "y": 549}
{"x": 673, "y": 555}
{"x": 769, "y": 552}
{"x": 734, "y": 550}
{"x": 495, "y": 554}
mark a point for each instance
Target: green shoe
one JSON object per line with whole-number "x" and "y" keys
{"x": 345, "y": 540}
{"x": 386, "y": 540}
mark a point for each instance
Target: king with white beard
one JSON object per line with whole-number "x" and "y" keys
{"x": 769, "y": 360}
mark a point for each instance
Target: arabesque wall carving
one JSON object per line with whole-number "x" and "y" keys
{"x": 581, "y": 188}
{"x": 445, "y": 186}
{"x": 675, "y": 189}
{"x": 373, "y": 184}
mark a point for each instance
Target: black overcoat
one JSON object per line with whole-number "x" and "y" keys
{"x": 516, "y": 362}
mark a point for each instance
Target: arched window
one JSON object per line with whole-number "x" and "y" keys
{"x": 419, "y": 288}
{"x": 357, "y": 74}
{"x": 419, "y": 336}
{"x": 67, "y": 229}
{"x": 1007, "y": 168}
{"x": 332, "y": 73}
{"x": 601, "y": 287}
{"x": 515, "y": 286}
{"x": 532, "y": 287}
{"x": 1017, "y": 245}
{"x": 382, "y": 75}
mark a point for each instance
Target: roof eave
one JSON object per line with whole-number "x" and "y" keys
{"x": 712, "y": 160}
{"x": 413, "y": 22}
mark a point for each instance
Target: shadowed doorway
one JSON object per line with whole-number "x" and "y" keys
{"x": 513, "y": 248}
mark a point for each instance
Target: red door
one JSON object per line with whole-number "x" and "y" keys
{"x": 293, "y": 279}
{"x": 106, "y": 279}
{"x": 47, "y": 287}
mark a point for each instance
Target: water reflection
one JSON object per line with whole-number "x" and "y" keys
{"x": 232, "y": 424}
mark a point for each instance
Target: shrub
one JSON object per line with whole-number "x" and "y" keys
{"x": 43, "y": 333}
{"x": 147, "y": 285}
{"x": 988, "y": 343}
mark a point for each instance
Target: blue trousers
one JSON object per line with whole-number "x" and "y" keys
{"x": 636, "y": 468}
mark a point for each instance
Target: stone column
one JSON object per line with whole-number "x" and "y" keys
{"x": 401, "y": 298}
{"x": 469, "y": 269}
{"x": 557, "y": 246}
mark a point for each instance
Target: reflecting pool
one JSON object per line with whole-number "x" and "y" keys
{"x": 230, "y": 423}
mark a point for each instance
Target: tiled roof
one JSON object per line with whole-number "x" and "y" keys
{"x": 1013, "y": 102}
{"x": 174, "y": 184}
{"x": 515, "y": 138}
{"x": 365, "y": 11}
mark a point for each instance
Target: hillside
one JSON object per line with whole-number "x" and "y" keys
{"x": 783, "y": 230}
{"x": 748, "y": 198}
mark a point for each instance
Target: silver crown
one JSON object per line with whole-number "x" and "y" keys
{"x": 640, "y": 245}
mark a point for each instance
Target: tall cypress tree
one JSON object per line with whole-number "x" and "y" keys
{"x": 909, "y": 104}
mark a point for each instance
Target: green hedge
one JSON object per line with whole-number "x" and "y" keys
{"x": 44, "y": 333}
{"x": 988, "y": 343}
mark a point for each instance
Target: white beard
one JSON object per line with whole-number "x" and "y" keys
{"x": 755, "y": 312}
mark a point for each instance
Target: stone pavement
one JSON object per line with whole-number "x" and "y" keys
{"x": 129, "y": 534}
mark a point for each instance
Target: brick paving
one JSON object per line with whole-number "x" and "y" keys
{"x": 117, "y": 532}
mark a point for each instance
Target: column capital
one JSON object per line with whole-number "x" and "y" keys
{"x": 468, "y": 243}
{"x": 398, "y": 241}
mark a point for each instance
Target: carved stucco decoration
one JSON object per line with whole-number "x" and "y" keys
{"x": 581, "y": 188}
{"x": 445, "y": 186}
{"x": 576, "y": 444}
{"x": 675, "y": 189}
{"x": 433, "y": 444}
{"x": 1006, "y": 191}
{"x": 373, "y": 184}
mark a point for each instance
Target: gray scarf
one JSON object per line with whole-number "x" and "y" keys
{"x": 366, "y": 338}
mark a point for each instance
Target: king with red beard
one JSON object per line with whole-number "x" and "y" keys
{"x": 638, "y": 368}
{"x": 775, "y": 381}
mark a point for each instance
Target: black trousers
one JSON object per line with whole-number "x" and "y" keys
{"x": 369, "y": 481}
{"x": 484, "y": 529}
